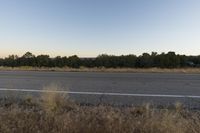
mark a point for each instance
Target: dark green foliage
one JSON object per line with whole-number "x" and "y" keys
{"x": 88, "y": 62}
{"x": 1, "y": 62}
{"x": 11, "y": 61}
{"x": 28, "y": 59}
{"x": 127, "y": 60}
{"x": 163, "y": 60}
{"x": 74, "y": 61}
{"x": 58, "y": 61}
{"x": 115, "y": 61}
{"x": 145, "y": 61}
{"x": 43, "y": 60}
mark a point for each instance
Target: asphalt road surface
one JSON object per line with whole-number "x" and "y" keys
{"x": 109, "y": 88}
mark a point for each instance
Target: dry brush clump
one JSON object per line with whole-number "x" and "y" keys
{"x": 54, "y": 113}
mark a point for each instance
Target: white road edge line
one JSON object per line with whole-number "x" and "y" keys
{"x": 101, "y": 93}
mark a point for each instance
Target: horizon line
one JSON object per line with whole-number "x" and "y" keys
{"x": 51, "y": 56}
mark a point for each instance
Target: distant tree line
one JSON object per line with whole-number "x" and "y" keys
{"x": 146, "y": 60}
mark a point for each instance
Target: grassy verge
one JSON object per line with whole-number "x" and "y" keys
{"x": 84, "y": 69}
{"x": 54, "y": 113}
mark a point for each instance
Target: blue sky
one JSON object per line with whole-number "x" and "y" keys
{"x": 92, "y": 27}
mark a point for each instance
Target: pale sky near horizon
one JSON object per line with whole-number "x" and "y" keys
{"x": 92, "y": 27}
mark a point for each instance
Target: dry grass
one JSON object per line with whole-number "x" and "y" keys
{"x": 54, "y": 113}
{"x": 84, "y": 69}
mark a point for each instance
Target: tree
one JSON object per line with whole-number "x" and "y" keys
{"x": 172, "y": 60}
{"x": 28, "y": 59}
{"x": 28, "y": 55}
{"x": 1, "y": 62}
{"x": 74, "y": 61}
{"x": 58, "y": 61}
{"x": 11, "y": 61}
{"x": 43, "y": 60}
{"x": 145, "y": 61}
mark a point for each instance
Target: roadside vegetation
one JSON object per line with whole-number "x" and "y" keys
{"x": 103, "y": 69}
{"x": 55, "y": 113}
{"x": 154, "y": 60}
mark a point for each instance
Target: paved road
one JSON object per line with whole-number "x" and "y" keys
{"x": 126, "y": 83}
